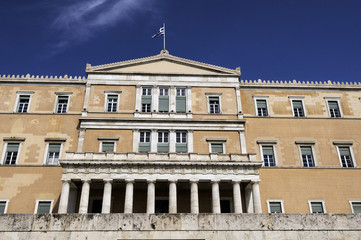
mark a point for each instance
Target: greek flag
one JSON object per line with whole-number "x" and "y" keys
{"x": 160, "y": 32}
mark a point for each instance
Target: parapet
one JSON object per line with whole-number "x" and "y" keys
{"x": 43, "y": 79}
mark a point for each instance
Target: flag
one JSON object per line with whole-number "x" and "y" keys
{"x": 160, "y": 32}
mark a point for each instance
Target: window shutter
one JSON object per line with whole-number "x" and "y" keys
{"x": 2, "y": 207}
{"x": 107, "y": 146}
{"x": 261, "y": 104}
{"x": 344, "y": 151}
{"x": 24, "y": 97}
{"x": 333, "y": 105}
{"x": 267, "y": 150}
{"x": 217, "y": 147}
{"x": 13, "y": 147}
{"x": 144, "y": 147}
{"x": 146, "y": 99}
{"x": 275, "y": 207}
{"x": 163, "y": 103}
{"x": 317, "y": 207}
{"x": 163, "y": 147}
{"x": 306, "y": 151}
{"x": 297, "y": 104}
{"x": 44, "y": 207}
{"x": 181, "y": 148}
{"x": 54, "y": 147}
{"x": 181, "y": 104}
{"x": 213, "y": 99}
{"x": 356, "y": 207}
{"x": 62, "y": 98}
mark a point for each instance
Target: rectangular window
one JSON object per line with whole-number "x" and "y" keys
{"x": 181, "y": 142}
{"x": 108, "y": 146}
{"x": 43, "y": 206}
{"x": 181, "y": 100}
{"x": 345, "y": 157}
{"x": 307, "y": 156}
{"x": 163, "y": 141}
{"x": 317, "y": 207}
{"x": 275, "y": 207}
{"x": 298, "y": 110}
{"x": 214, "y": 106}
{"x": 11, "y": 153}
{"x": 53, "y": 154}
{"x": 146, "y": 99}
{"x": 356, "y": 207}
{"x": 262, "y": 108}
{"x": 217, "y": 147}
{"x": 268, "y": 156}
{"x": 163, "y": 100}
{"x": 62, "y": 104}
{"x": 23, "y": 103}
{"x": 3, "y": 206}
{"x": 112, "y": 103}
{"x": 334, "y": 109}
{"x": 144, "y": 141}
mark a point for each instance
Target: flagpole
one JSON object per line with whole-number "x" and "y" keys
{"x": 164, "y": 37}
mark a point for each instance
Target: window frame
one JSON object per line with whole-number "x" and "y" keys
{"x": 45, "y": 162}
{"x": 6, "y": 205}
{"x": 106, "y": 102}
{"x": 219, "y": 96}
{"x": 148, "y": 94}
{"x": 351, "y": 202}
{"x": 161, "y": 94}
{"x": 307, "y": 144}
{"x": 278, "y": 201}
{"x": 255, "y": 98}
{"x": 217, "y": 141}
{"x": 316, "y": 201}
{"x": 291, "y": 98}
{"x": 182, "y": 94}
{"x": 267, "y": 144}
{"x": 333, "y": 99}
{"x": 101, "y": 146}
{"x": 62, "y": 94}
{"x": 18, "y": 94}
{"x": 349, "y": 146}
{"x": 43, "y": 200}
{"x": 5, "y": 151}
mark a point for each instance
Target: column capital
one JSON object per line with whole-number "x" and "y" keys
{"x": 189, "y": 87}
{"x": 155, "y": 86}
{"x": 68, "y": 180}
{"x": 86, "y": 180}
{"x": 153, "y": 130}
{"x": 236, "y": 181}
{"x": 135, "y": 129}
{"x": 255, "y": 181}
{"x": 151, "y": 180}
{"x": 129, "y": 180}
{"x": 194, "y": 181}
{"x": 172, "y": 87}
{"x": 215, "y": 181}
{"x": 172, "y": 180}
{"x": 108, "y": 180}
{"x": 137, "y": 86}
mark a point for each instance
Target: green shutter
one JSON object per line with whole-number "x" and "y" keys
{"x": 13, "y": 147}
{"x": 275, "y": 207}
{"x": 163, "y": 103}
{"x": 44, "y": 207}
{"x": 146, "y": 99}
{"x": 217, "y": 147}
{"x": 212, "y": 99}
{"x": 317, "y": 207}
{"x": 163, "y": 147}
{"x": 62, "y": 98}
{"x": 306, "y": 151}
{"x": 2, "y": 207}
{"x": 356, "y": 207}
{"x": 112, "y": 96}
{"x": 333, "y": 105}
{"x": 54, "y": 147}
{"x": 261, "y": 104}
{"x": 181, "y": 104}
{"x": 297, "y": 104}
{"x": 267, "y": 150}
{"x": 144, "y": 147}
{"x": 344, "y": 151}
{"x": 181, "y": 148}
{"x": 107, "y": 146}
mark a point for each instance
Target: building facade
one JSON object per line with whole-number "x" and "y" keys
{"x": 163, "y": 134}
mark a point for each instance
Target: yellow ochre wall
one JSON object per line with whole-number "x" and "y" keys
{"x": 200, "y": 145}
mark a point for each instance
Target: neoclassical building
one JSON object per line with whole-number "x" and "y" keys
{"x": 164, "y": 134}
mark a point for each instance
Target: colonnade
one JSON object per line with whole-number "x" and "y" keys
{"x": 150, "y": 207}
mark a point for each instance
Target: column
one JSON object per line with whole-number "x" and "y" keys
{"x": 238, "y": 97}
{"x": 81, "y": 140}
{"x": 107, "y": 195}
{"x": 242, "y": 139}
{"x": 136, "y": 140}
{"x": 84, "y": 198}
{"x": 190, "y": 141}
{"x": 138, "y": 99}
{"x": 172, "y": 99}
{"x": 172, "y": 141}
{"x": 86, "y": 97}
{"x": 249, "y": 199}
{"x": 155, "y": 99}
{"x": 237, "y": 199}
{"x": 151, "y": 197}
{"x": 194, "y": 197}
{"x": 189, "y": 100}
{"x": 173, "y": 196}
{"x": 216, "y": 203}
{"x": 64, "y": 198}
{"x": 153, "y": 141}
{"x": 128, "y": 203}
{"x": 256, "y": 197}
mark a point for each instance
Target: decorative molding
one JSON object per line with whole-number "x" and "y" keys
{"x": 267, "y": 142}
{"x": 305, "y": 142}
{"x": 13, "y": 139}
{"x": 41, "y": 78}
{"x": 55, "y": 139}
{"x": 344, "y": 143}
{"x": 108, "y": 138}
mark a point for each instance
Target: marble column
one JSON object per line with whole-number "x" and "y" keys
{"x": 151, "y": 197}
{"x": 107, "y": 195}
{"x": 216, "y": 203}
{"x": 84, "y": 198}
{"x": 136, "y": 139}
{"x": 64, "y": 198}
{"x": 172, "y": 141}
{"x": 128, "y": 203}
{"x": 173, "y": 196}
{"x": 249, "y": 199}
{"x": 256, "y": 197}
{"x": 190, "y": 141}
{"x": 138, "y": 99}
{"x": 194, "y": 197}
{"x": 154, "y": 141}
{"x": 237, "y": 199}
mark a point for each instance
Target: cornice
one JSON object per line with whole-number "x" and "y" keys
{"x": 43, "y": 79}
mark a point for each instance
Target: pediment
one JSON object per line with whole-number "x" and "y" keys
{"x": 163, "y": 63}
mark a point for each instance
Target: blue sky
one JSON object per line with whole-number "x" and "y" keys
{"x": 307, "y": 40}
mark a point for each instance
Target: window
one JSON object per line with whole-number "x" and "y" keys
{"x": 181, "y": 100}
{"x": 345, "y": 156}
{"x": 226, "y": 205}
{"x": 307, "y": 156}
{"x": 268, "y": 156}
{"x": 355, "y": 206}
{"x": 181, "y": 142}
{"x": 161, "y": 205}
{"x": 53, "y": 154}
{"x": 261, "y": 105}
{"x": 334, "y": 108}
{"x": 163, "y": 100}
{"x": 214, "y": 106}
{"x": 217, "y": 147}
{"x": 112, "y": 102}
{"x": 144, "y": 141}
{"x": 108, "y": 146}
{"x": 146, "y": 99}
{"x": 298, "y": 110}
{"x": 317, "y": 206}
{"x": 275, "y": 206}
{"x": 3, "y": 206}
{"x": 43, "y": 206}
{"x": 11, "y": 154}
{"x": 163, "y": 141}
{"x": 23, "y": 103}
{"x": 62, "y": 104}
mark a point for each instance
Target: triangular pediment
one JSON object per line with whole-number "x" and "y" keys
{"x": 163, "y": 63}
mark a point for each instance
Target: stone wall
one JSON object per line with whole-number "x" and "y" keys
{"x": 180, "y": 226}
